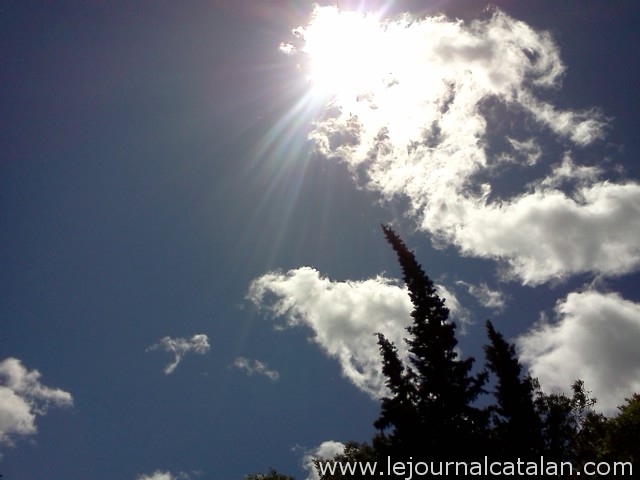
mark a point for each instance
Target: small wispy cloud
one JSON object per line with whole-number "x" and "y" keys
{"x": 493, "y": 299}
{"x": 256, "y": 366}
{"x": 457, "y": 312}
{"x": 166, "y": 475}
{"x": 198, "y": 343}
{"x": 22, "y": 399}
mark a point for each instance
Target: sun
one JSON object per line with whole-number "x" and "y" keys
{"x": 343, "y": 50}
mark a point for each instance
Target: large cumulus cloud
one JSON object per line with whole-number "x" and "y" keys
{"x": 422, "y": 127}
{"x": 595, "y": 338}
{"x": 344, "y": 316}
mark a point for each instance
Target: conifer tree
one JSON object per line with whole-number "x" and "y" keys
{"x": 430, "y": 413}
{"x": 431, "y": 408}
{"x": 516, "y": 425}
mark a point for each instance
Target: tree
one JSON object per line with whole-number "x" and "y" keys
{"x": 567, "y": 423}
{"x": 354, "y": 455}
{"x": 622, "y": 437}
{"x": 431, "y": 412}
{"x": 272, "y": 474}
{"x": 431, "y": 408}
{"x": 516, "y": 424}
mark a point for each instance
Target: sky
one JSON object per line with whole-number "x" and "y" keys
{"x": 191, "y": 196}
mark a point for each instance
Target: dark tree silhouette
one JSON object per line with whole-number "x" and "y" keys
{"x": 516, "y": 425}
{"x": 622, "y": 441}
{"x": 272, "y": 474}
{"x": 431, "y": 413}
{"x": 431, "y": 408}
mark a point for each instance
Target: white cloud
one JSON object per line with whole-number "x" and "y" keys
{"x": 569, "y": 172}
{"x": 529, "y": 149}
{"x": 457, "y": 313}
{"x": 488, "y": 298}
{"x": 547, "y": 234}
{"x": 160, "y": 475}
{"x": 255, "y": 366}
{"x": 198, "y": 343}
{"x": 22, "y": 399}
{"x": 327, "y": 449}
{"x": 157, "y": 475}
{"x": 344, "y": 316}
{"x": 420, "y": 131}
{"x": 595, "y": 338}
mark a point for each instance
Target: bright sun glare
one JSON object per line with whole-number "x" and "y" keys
{"x": 343, "y": 49}
{"x": 366, "y": 66}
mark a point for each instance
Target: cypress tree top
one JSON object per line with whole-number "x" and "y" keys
{"x": 432, "y": 396}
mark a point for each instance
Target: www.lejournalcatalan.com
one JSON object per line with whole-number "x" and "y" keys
{"x": 410, "y": 469}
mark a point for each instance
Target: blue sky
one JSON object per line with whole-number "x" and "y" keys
{"x": 191, "y": 194}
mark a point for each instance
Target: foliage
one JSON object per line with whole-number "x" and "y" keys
{"x": 270, "y": 475}
{"x": 431, "y": 408}
{"x": 516, "y": 425}
{"x": 622, "y": 437}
